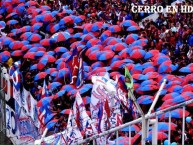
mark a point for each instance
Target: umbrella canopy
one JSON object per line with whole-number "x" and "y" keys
{"x": 115, "y": 28}
{"x": 145, "y": 99}
{"x": 137, "y": 54}
{"x": 101, "y": 55}
{"x": 131, "y": 38}
{"x": 128, "y": 23}
{"x": 160, "y": 136}
{"x": 164, "y": 126}
{"x": 178, "y": 113}
{"x": 122, "y": 140}
{"x": 40, "y": 75}
{"x": 4, "y": 56}
{"x": 133, "y": 28}
{"x": 54, "y": 85}
{"x": 61, "y": 36}
{"x": 36, "y": 26}
{"x": 34, "y": 38}
{"x": 12, "y": 22}
{"x": 132, "y": 127}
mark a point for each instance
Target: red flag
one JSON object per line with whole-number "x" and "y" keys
{"x": 107, "y": 109}
{"x": 73, "y": 64}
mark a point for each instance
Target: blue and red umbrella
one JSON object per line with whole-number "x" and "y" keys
{"x": 61, "y": 49}
{"x": 160, "y": 136}
{"x": 178, "y": 113}
{"x": 131, "y": 38}
{"x": 54, "y": 85}
{"x": 12, "y": 22}
{"x": 119, "y": 47}
{"x": 55, "y": 28}
{"x": 15, "y": 45}
{"x": 17, "y": 53}
{"x": 105, "y": 35}
{"x": 151, "y": 53}
{"x": 2, "y": 24}
{"x": 63, "y": 73}
{"x": 145, "y": 99}
{"x": 45, "y": 101}
{"x": 79, "y": 19}
{"x": 40, "y": 76}
{"x": 47, "y": 42}
{"x": 30, "y": 55}
{"x": 35, "y": 38}
{"x": 50, "y": 70}
{"x": 66, "y": 20}
{"x": 36, "y": 26}
{"x": 133, "y": 28}
{"x": 170, "y": 96}
{"x": 140, "y": 42}
{"x": 132, "y": 128}
{"x": 61, "y": 36}
{"x": 114, "y": 28}
{"x": 4, "y": 56}
{"x": 26, "y": 35}
{"x": 101, "y": 55}
{"x": 137, "y": 54}
{"x": 128, "y": 23}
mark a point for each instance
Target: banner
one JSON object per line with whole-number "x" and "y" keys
{"x": 17, "y": 95}
{"x": 26, "y": 100}
{"x": 34, "y": 111}
{"x": 28, "y": 132}
{"x": 11, "y": 123}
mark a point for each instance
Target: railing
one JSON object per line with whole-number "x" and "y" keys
{"x": 148, "y": 120}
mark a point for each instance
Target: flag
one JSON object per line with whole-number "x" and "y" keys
{"x": 34, "y": 111}
{"x": 72, "y": 134}
{"x": 128, "y": 79}
{"x": 44, "y": 112}
{"x": 73, "y": 65}
{"x": 80, "y": 78}
{"x": 83, "y": 120}
{"x": 51, "y": 124}
{"x": 44, "y": 90}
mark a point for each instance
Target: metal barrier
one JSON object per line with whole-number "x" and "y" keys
{"x": 148, "y": 120}
{"x": 3, "y": 138}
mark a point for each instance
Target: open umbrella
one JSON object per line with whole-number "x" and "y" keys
{"x": 133, "y": 28}
{"x": 133, "y": 128}
{"x": 178, "y": 113}
{"x": 30, "y": 55}
{"x": 4, "y": 56}
{"x": 15, "y": 45}
{"x": 131, "y": 38}
{"x": 40, "y": 75}
{"x": 61, "y": 36}
{"x": 101, "y": 55}
{"x": 12, "y": 22}
{"x": 35, "y": 38}
{"x": 145, "y": 99}
{"x": 170, "y": 96}
{"x": 54, "y": 85}
{"x": 114, "y": 28}
{"x": 128, "y": 23}
{"x": 160, "y": 136}
{"x": 36, "y": 26}
{"x": 137, "y": 54}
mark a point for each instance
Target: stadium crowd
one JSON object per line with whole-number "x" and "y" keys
{"x": 171, "y": 34}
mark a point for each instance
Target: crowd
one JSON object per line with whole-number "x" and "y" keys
{"x": 170, "y": 37}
